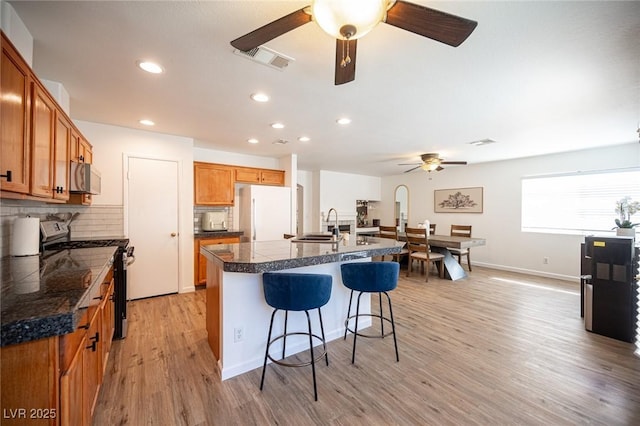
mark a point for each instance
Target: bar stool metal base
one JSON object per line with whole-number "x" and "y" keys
{"x": 313, "y": 357}
{"x": 383, "y": 319}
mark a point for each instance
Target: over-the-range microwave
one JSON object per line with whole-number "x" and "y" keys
{"x": 85, "y": 179}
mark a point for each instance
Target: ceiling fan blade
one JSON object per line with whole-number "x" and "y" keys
{"x": 454, "y": 162}
{"x": 439, "y": 168}
{"x": 348, "y": 72}
{"x": 427, "y": 22}
{"x": 410, "y": 170}
{"x": 410, "y": 164}
{"x": 272, "y": 30}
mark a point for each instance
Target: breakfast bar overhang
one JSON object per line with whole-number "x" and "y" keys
{"x": 237, "y": 315}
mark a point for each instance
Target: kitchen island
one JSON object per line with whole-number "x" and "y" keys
{"x": 237, "y": 314}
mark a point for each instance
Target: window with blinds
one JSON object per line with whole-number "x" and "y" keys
{"x": 577, "y": 203}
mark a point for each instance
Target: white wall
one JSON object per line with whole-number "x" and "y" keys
{"x": 111, "y": 143}
{"x": 341, "y": 190}
{"x": 507, "y": 247}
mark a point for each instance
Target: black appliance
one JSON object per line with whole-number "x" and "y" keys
{"x": 610, "y": 287}
{"x": 123, "y": 258}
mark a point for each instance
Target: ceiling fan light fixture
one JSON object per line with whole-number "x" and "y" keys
{"x": 348, "y": 20}
{"x": 431, "y": 166}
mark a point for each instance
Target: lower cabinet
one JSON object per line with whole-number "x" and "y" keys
{"x": 56, "y": 380}
{"x": 200, "y": 267}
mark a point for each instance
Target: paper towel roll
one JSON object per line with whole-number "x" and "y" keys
{"x": 25, "y": 238}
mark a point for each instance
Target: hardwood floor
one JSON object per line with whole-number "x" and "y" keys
{"x": 495, "y": 348}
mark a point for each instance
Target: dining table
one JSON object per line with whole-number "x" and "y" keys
{"x": 441, "y": 244}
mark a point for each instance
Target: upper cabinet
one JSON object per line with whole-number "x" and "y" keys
{"x": 260, "y": 176}
{"x": 61, "y": 157}
{"x": 15, "y": 92}
{"x": 213, "y": 184}
{"x": 42, "y": 142}
{"x": 39, "y": 140}
{"x": 81, "y": 152}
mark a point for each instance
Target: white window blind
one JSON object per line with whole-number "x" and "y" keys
{"x": 578, "y": 202}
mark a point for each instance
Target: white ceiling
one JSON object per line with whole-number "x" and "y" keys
{"x": 537, "y": 77}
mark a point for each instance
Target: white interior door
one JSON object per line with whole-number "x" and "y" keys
{"x": 152, "y": 205}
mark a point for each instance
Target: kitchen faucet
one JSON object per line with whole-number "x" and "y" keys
{"x": 336, "y": 229}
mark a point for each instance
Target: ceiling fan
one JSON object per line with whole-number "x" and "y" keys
{"x": 349, "y": 20}
{"x": 430, "y": 162}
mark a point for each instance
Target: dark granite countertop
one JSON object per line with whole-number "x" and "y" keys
{"x": 218, "y": 234}
{"x": 264, "y": 256}
{"x": 44, "y": 296}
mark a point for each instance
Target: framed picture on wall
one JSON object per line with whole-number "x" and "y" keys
{"x": 458, "y": 200}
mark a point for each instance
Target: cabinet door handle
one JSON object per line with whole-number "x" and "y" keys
{"x": 86, "y": 326}
{"x": 8, "y": 176}
{"x": 94, "y": 341}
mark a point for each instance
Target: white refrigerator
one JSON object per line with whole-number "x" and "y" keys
{"x": 265, "y": 212}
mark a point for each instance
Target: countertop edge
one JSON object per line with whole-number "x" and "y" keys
{"x": 281, "y": 264}
{"x": 35, "y": 328}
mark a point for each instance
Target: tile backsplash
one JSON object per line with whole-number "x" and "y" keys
{"x": 92, "y": 221}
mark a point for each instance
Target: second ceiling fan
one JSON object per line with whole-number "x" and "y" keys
{"x": 349, "y": 20}
{"x": 431, "y": 162}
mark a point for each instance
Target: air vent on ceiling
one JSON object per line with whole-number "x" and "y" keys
{"x": 267, "y": 57}
{"x": 280, "y": 142}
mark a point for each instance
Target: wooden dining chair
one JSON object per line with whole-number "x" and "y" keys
{"x": 461, "y": 231}
{"x": 418, "y": 247}
{"x": 391, "y": 232}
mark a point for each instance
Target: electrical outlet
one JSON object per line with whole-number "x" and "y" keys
{"x": 545, "y": 260}
{"x": 238, "y": 334}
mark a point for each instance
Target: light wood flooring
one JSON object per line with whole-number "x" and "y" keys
{"x": 495, "y": 348}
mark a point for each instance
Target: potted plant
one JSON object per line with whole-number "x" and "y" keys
{"x": 625, "y": 208}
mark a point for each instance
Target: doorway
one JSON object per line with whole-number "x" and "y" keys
{"x": 151, "y": 209}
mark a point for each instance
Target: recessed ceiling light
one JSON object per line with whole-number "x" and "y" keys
{"x": 343, "y": 120}
{"x": 277, "y": 126}
{"x": 150, "y": 67}
{"x": 304, "y": 138}
{"x": 146, "y": 122}
{"x": 260, "y": 97}
{"x": 253, "y": 140}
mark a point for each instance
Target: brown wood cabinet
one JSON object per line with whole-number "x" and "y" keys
{"x": 200, "y": 267}
{"x": 59, "y": 377}
{"x": 213, "y": 184}
{"x": 15, "y": 99}
{"x": 38, "y": 138}
{"x": 61, "y": 157}
{"x": 42, "y": 142}
{"x": 260, "y": 176}
{"x": 81, "y": 152}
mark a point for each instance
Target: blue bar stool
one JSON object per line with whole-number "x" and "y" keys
{"x": 370, "y": 277}
{"x": 296, "y": 292}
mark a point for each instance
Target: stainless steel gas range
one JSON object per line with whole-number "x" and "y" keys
{"x": 55, "y": 235}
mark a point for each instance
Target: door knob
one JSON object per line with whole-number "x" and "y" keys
{"x": 173, "y": 234}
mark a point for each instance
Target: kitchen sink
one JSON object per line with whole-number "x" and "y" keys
{"x": 314, "y": 238}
